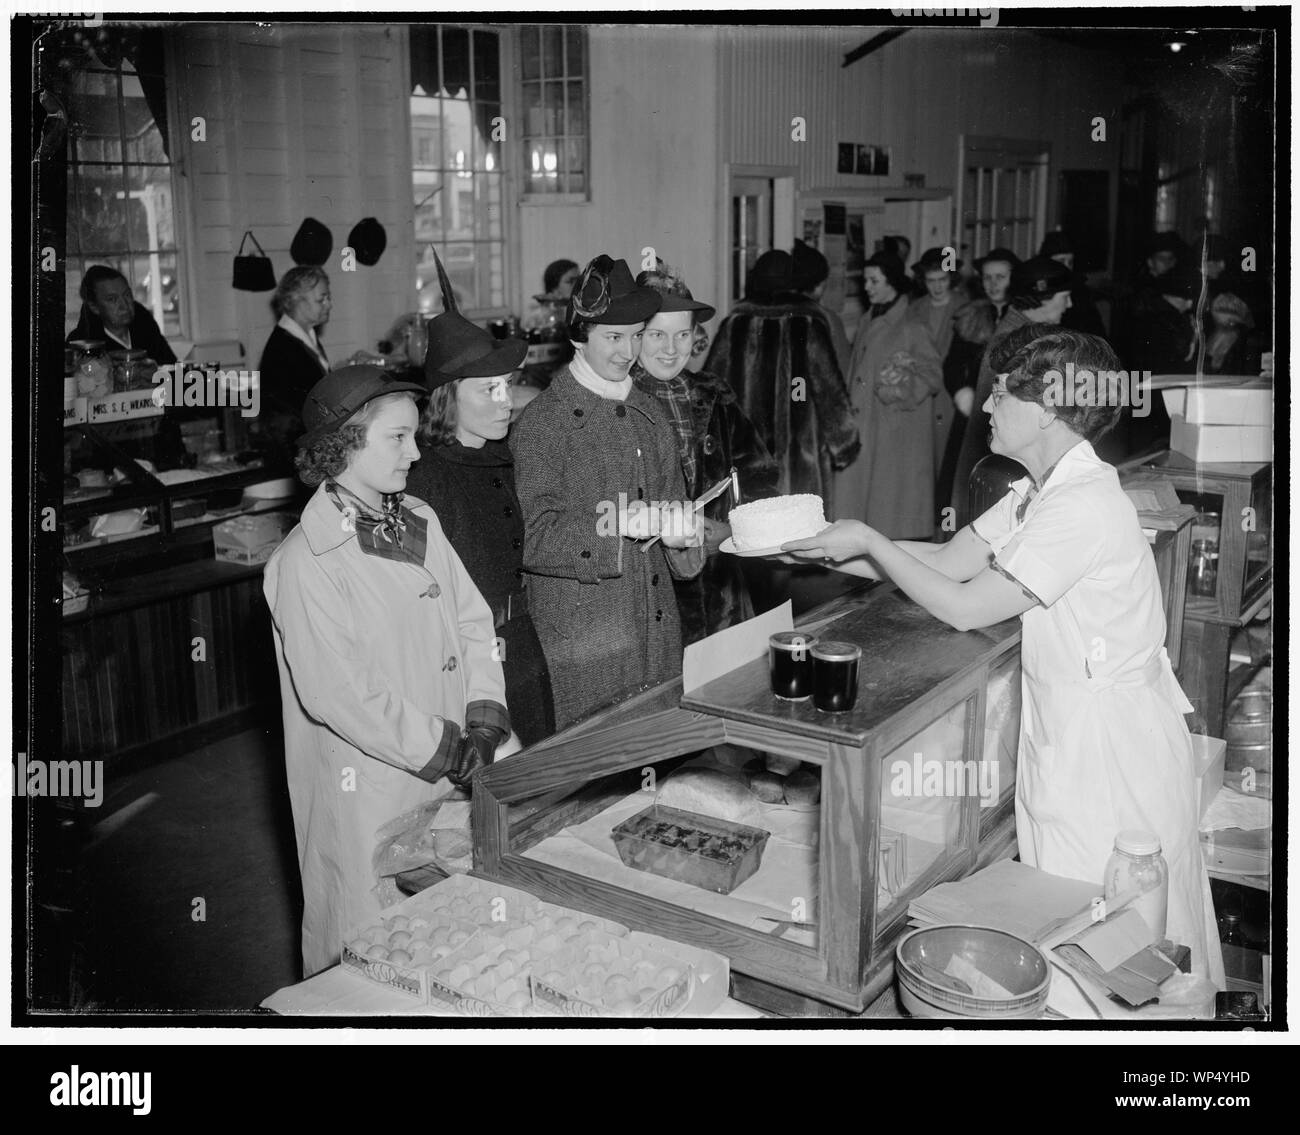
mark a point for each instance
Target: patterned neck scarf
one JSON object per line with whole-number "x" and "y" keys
{"x": 675, "y": 396}
{"x": 394, "y": 533}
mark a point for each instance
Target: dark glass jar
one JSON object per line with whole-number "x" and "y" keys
{"x": 790, "y": 667}
{"x": 835, "y": 676}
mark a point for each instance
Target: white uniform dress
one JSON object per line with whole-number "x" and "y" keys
{"x": 1103, "y": 743}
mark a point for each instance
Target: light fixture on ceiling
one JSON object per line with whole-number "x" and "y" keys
{"x": 1176, "y": 46}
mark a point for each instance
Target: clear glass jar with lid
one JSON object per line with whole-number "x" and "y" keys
{"x": 1138, "y": 876}
{"x": 94, "y": 371}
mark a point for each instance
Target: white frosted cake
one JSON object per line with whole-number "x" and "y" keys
{"x": 770, "y": 523}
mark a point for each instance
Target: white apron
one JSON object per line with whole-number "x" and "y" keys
{"x": 1103, "y": 743}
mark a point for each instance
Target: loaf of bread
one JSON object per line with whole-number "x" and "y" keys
{"x": 768, "y": 787}
{"x": 803, "y": 787}
{"x": 708, "y": 792}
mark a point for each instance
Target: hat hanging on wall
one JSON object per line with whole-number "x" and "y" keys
{"x": 368, "y": 240}
{"x": 312, "y": 243}
{"x": 253, "y": 273}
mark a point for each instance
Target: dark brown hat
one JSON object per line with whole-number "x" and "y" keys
{"x": 460, "y": 349}
{"x": 368, "y": 240}
{"x": 341, "y": 393}
{"x": 1040, "y": 278}
{"x": 312, "y": 244}
{"x": 676, "y": 296}
{"x": 608, "y": 294}
{"x": 1056, "y": 243}
{"x": 810, "y": 267}
{"x": 772, "y": 274}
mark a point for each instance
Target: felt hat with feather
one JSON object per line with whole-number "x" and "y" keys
{"x": 460, "y": 349}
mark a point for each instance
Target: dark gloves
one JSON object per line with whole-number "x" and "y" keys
{"x": 478, "y": 746}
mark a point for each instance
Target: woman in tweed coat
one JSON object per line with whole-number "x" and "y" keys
{"x": 604, "y": 608}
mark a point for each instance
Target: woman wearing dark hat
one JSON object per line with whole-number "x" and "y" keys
{"x": 384, "y": 646}
{"x": 467, "y": 475}
{"x": 1039, "y": 293}
{"x": 713, "y": 437}
{"x": 1082, "y": 314}
{"x": 596, "y": 459}
{"x": 894, "y": 376}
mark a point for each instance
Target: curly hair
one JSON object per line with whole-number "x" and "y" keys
{"x": 328, "y": 456}
{"x": 295, "y": 283}
{"x": 438, "y": 418}
{"x": 1039, "y": 364}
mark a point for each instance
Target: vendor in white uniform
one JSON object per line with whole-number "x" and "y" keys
{"x": 1103, "y": 743}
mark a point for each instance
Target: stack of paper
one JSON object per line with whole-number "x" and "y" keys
{"x": 1007, "y": 896}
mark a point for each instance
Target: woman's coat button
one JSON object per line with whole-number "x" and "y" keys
{"x": 450, "y": 664}
{"x": 621, "y": 411}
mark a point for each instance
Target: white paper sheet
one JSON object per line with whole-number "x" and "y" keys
{"x": 724, "y": 651}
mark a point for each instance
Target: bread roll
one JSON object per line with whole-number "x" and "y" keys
{"x": 780, "y": 765}
{"x": 768, "y": 787}
{"x": 708, "y": 792}
{"x": 803, "y": 787}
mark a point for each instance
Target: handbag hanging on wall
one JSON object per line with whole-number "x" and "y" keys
{"x": 253, "y": 273}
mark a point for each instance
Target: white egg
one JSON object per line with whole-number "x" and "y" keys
{"x": 400, "y": 938}
{"x": 518, "y": 1001}
{"x": 418, "y": 923}
{"x": 400, "y": 958}
{"x": 399, "y": 922}
{"x": 379, "y": 953}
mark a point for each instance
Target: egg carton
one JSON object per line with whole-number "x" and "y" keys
{"x": 368, "y": 949}
{"x": 471, "y": 980}
{"x": 576, "y": 981}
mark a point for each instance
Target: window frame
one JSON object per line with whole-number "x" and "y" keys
{"x": 529, "y": 196}
{"x": 508, "y": 173}
{"x": 182, "y": 214}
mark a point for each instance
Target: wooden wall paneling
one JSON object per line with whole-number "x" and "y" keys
{"x": 207, "y": 613}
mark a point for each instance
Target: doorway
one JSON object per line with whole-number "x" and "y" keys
{"x": 760, "y": 217}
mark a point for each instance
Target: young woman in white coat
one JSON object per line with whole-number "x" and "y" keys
{"x": 384, "y": 646}
{"x": 1103, "y": 743}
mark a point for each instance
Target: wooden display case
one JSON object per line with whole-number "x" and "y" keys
{"x": 1242, "y": 496}
{"x": 812, "y": 931}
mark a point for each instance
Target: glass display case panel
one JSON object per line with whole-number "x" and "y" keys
{"x": 1001, "y": 738}
{"x": 691, "y": 832}
{"x": 1257, "y": 525}
{"x": 924, "y": 786}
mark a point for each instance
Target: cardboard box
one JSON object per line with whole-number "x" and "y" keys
{"x": 1220, "y": 444}
{"x": 251, "y": 539}
{"x": 1250, "y": 403}
{"x": 1209, "y": 755}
